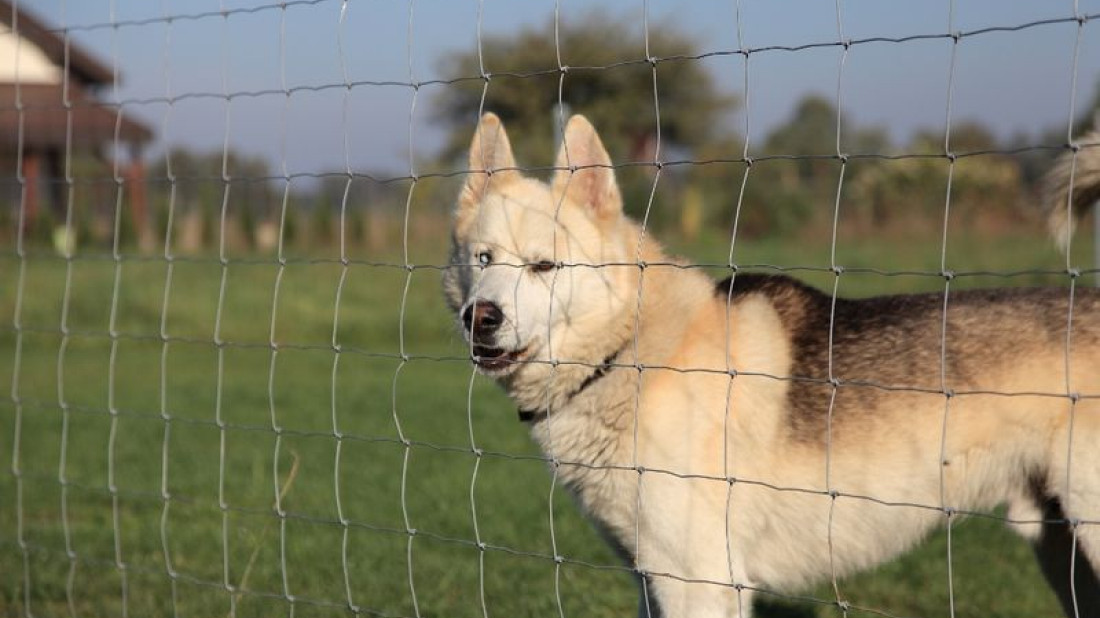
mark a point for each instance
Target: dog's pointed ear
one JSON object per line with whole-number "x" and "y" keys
{"x": 490, "y": 158}
{"x": 584, "y": 173}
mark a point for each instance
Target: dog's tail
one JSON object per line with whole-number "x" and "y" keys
{"x": 1072, "y": 187}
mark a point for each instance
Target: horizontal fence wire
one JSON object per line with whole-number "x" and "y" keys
{"x": 486, "y": 77}
{"x": 746, "y": 161}
{"x": 476, "y": 452}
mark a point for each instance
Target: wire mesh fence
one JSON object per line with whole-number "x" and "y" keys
{"x": 235, "y": 385}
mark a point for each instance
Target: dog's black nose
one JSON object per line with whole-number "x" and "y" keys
{"x": 482, "y": 317}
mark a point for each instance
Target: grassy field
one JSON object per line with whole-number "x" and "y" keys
{"x": 363, "y": 444}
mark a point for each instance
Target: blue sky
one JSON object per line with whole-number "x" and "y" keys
{"x": 1011, "y": 81}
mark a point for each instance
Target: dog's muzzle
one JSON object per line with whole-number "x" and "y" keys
{"x": 482, "y": 319}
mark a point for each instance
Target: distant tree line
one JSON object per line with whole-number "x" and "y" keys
{"x": 672, "y": 110}
{"x": 795, "y": 180}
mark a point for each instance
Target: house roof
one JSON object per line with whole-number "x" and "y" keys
{"x": 82, "y": 64}
{"x": 45, "y": 120}
{"x": 42, "y": 118}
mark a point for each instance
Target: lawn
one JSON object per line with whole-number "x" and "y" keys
{"x": 303, "y": 439}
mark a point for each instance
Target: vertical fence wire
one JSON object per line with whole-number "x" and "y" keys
{"x": 837, "y": 270}
{"x": 63, "y": 347}
{"x": 475, "y": 450}
{"x": 404, "y": 356}
{"x": 948, "y": 276}
{"x": 337, "y": 434}
{"x": 169, "y": 271}
{"x": 17, "y": 320}
{"x": 563, "y": 147}
{"x": 113, "y": 332}
{"x": 276, "y": 426}
{"x": 1069, "y": 506}
{"x": 735, "y": 571}
{"x": 279, "y": 488}
{"x": 640, "y": 557}
{"x": 219, "y": 343}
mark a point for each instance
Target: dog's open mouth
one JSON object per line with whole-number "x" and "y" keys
{"x": 492, "y": 359}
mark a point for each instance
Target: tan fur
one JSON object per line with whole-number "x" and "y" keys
{"x": 1072, "y": 187}
{"x": 689, "y": 452}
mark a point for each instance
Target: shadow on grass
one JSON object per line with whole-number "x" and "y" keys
{"x": 776, "y": 609}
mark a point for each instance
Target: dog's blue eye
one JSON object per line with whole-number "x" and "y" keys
{"x": 485, "y": 258}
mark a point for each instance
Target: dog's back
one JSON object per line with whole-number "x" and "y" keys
{"x": 957, "y": 342}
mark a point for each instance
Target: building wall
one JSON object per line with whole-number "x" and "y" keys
{"x": 34, "y": 66}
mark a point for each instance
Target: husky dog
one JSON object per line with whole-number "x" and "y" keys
{"x": 757, "y": 434}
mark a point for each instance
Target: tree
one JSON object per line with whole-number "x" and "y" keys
{"x": 199, "y": 178}
{"x": 967, "y": 137}
{"x": 986, "y": 188}
{"x": 608, "y": 80}
{"x": 793, "y": 184}
{"x": 812, "y": 133}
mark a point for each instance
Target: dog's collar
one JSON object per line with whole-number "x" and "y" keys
{"x": 534, "y": 416}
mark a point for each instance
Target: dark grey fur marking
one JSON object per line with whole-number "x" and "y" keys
{"x": 896, "y": 340}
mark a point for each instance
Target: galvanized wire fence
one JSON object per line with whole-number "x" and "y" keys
{"x": 233, "y": 429}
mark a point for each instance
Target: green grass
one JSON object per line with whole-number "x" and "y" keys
{"x": 237, "y": 423}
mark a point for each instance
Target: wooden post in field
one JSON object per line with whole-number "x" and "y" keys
{"x": 32, "y": 171}
{"x": 139, "y": 207}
